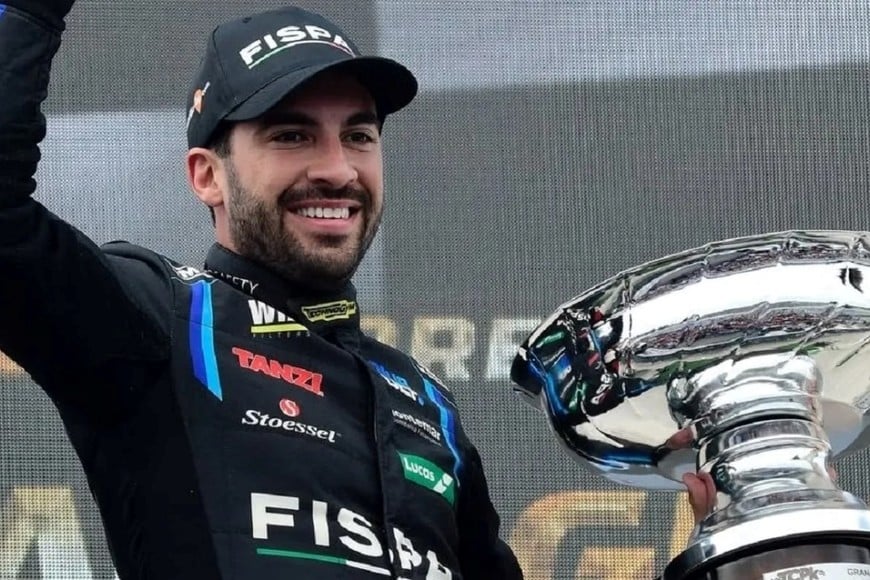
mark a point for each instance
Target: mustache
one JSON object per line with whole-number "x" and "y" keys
{"x": 299, "y": 194}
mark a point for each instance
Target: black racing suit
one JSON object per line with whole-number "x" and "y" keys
{"x": 229, "y": 427}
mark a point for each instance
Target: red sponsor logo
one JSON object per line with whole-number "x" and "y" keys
{"x": 296, "y": 376}
{"x": 289, "y": 408}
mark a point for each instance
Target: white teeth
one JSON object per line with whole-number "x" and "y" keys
{"x": 341, "y": 213}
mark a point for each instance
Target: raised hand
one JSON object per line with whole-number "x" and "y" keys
{"x": 49, "y": 11}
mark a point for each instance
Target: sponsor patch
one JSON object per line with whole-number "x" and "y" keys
{"x": 397, "y": 382}
{"x": 337, "y": 537}
{"x": 268, "y": 320}
{"x": 329, "y": 311}
{"x": 418, "y": 426}
{"x": 198, "y": 97}
{"x": 426, "y": 474}
{"x": 289, "y": 408}
{"x": 287, "y": 37}
{"x": 296, "y": 376}
{"x": 187, "y": 273}
{"x": 256, "y": 418}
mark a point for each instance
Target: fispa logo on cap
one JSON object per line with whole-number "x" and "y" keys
{"x": 339, "y": 310}
{"x": 288, "y": 37}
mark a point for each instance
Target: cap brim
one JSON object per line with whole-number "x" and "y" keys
{"x": 391, "y": 85}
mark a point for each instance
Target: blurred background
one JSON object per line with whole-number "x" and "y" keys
{"x": 552, "y": 145}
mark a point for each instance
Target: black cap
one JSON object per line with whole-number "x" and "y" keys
{"x": 252, "y": 63}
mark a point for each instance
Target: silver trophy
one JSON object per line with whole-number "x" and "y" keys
{"x": 748, "y": 359}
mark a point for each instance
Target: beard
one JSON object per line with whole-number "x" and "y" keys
{"x": 258, "y": 231}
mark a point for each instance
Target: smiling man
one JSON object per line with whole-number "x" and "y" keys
{"x": 233, "y": 421}
{"x": 300, "y": 187}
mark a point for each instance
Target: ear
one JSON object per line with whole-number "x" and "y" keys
{"x": 205, "y": 175}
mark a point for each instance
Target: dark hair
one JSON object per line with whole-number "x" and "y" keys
{"x": 219, "y": 142}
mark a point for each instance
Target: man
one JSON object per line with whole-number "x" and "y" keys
{"x": 233, "y": 421}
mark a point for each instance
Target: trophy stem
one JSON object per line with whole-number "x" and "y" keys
{"x": 778, "y": 512}
{"x": 760, "y": 465}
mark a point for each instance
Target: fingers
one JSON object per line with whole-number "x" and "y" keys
{"x": 711, "y": 489}
{"x": 697, "y": 492}
{"x": 682, "y": 439}
{"x": 702, "y": 494}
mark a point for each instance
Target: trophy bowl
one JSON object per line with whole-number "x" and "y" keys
{"x": 748, "y": 359}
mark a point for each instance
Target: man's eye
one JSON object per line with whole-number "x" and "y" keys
{"x": 289, "y": 137}
{"x": 360, "y": 137}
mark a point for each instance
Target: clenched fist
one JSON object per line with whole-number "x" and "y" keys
{"x": 49, "y": 11}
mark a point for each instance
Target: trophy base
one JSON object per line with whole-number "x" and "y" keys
{"x": 829, "y": 559}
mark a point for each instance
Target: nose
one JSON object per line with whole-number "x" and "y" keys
{"x": 331, "y": 165}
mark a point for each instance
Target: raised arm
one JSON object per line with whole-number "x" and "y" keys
{"x": 67, "y": 310}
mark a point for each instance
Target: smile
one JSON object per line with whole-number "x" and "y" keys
{"x": 340, "y": 213}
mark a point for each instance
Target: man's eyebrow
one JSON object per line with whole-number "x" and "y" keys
{"x": 364, "y": 118}
{"x": 274, "y": 118}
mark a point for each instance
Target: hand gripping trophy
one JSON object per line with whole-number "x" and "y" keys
{"x": 748, "y": 359}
